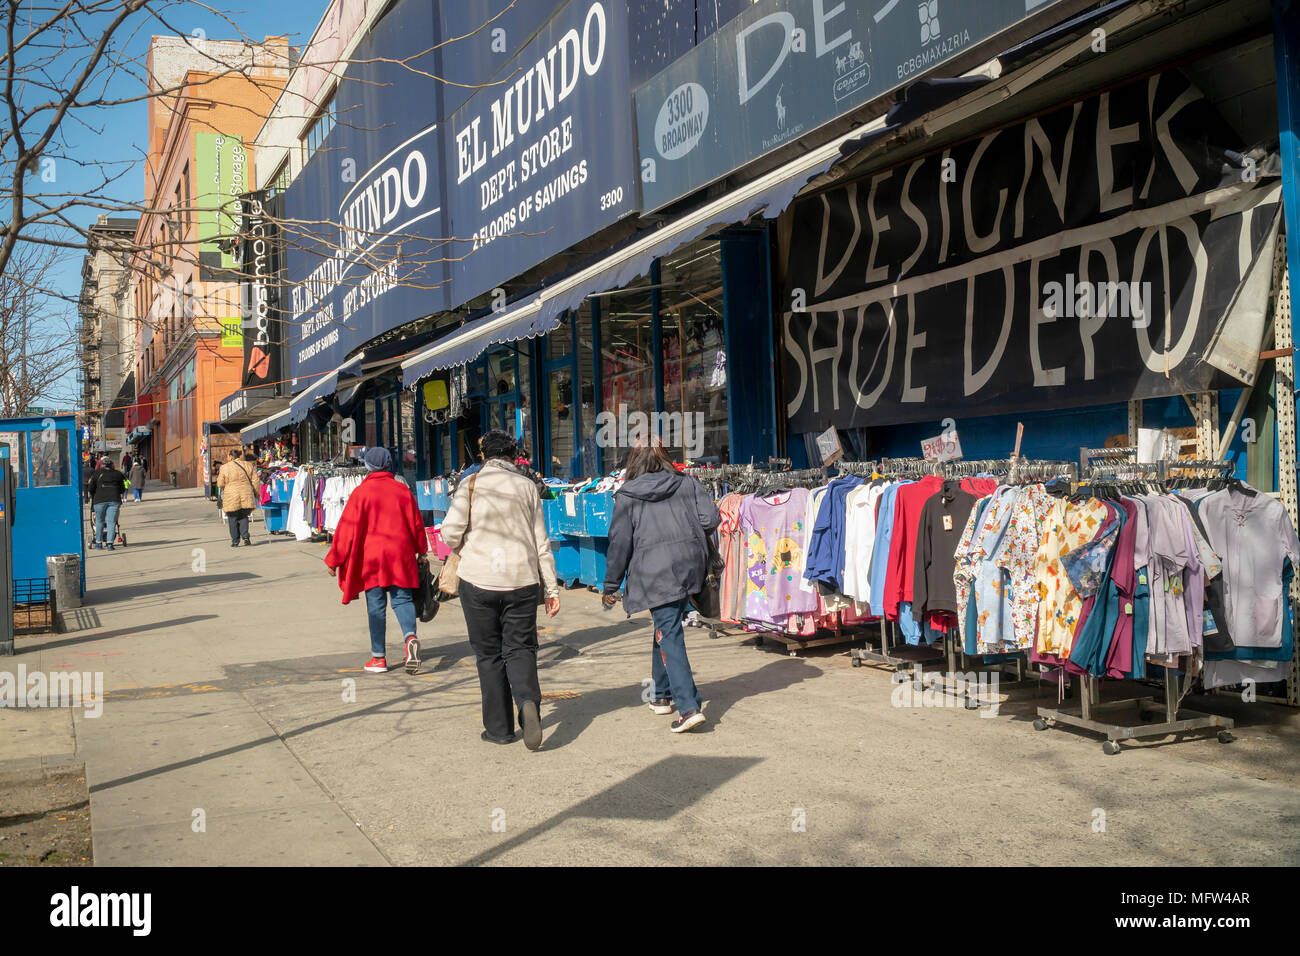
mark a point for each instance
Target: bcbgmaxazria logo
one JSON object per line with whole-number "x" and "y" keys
{"x": 75, "y": 908}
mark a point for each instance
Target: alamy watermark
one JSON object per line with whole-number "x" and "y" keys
{"x": 60, "y": 689}
{"x": 921, "y": 688}
{"x": 624, "y": 429}
{"x": 1086, "y": 300}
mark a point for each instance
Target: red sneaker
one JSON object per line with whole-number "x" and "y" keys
{"x": 377, "y": 665}
{"x": 412, "y": 655}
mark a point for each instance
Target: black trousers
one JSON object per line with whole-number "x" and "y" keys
{"x": 502, "y": 629}
{"x": 238, "y": 521}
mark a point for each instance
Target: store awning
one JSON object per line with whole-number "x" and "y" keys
{"x": 266, "y": 427}
{"x": 137, "y": 433}
{"x": 250, "y": 404}
{"x": 770, "y": 194}
{"x": 323, "y": 387}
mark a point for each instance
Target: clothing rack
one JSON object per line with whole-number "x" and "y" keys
{"x": 1088, "y": 716}
{"x": 1119, "y": 464}
{"x": 1014, "y": 664}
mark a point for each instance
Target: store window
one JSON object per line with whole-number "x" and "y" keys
{"x": 406, "y": 403}
{"x": 626, "y": 369}
{"x": 560, "y": 392}
{"x": 695, "y": 361}
{"x": 50, "y": 464}
{"x": 17, "y": 442}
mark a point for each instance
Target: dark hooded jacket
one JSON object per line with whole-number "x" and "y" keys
{"x": 657, "y": 538}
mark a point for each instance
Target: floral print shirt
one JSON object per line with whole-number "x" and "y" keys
{"x": 1067, "y": 526}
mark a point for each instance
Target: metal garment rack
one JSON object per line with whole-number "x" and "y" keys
{"x": 1177, "y": 719}
{"x": 1092, "y": 714}
{"x": 1015, "y": 469}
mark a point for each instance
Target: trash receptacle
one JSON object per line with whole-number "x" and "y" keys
{"x": 64, "y": 571}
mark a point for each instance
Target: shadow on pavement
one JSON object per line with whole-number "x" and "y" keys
{"x": 639, "y": 796}
{"x": 571, "y": 717}
{"x": 124, "y": 592}
{"x": 121, "y": 632}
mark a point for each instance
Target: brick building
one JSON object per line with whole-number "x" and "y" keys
{"x": 209, "y": 99}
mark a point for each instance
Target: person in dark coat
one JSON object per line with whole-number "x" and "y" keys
{"x": 657, "y": 538}
{"x": 106, "y": 487}
{"x": 137, "y": 475}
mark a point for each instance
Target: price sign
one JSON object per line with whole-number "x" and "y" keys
{"x": 945, "y": 447}
{"x": 828, "y": 443}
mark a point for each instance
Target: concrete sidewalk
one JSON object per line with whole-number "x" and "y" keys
{"x": 239, "y": 728}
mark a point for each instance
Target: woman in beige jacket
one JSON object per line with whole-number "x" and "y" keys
{"x": 239, "y": 494}
{"x": 496, "y": 525}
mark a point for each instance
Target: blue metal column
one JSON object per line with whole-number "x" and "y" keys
{"x": 1286, "y": 56}
{"x": 747, "y": 315}
{"x": 597, "y": 389}
{"x": 657, "y": 335}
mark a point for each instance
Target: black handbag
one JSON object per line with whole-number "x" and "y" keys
{"x": 426, "y": 595}
{"x": 708, "y": 599}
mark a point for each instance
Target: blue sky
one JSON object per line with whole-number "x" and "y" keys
{"x": 122, "y": 134}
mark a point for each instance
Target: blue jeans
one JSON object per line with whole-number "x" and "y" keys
{"x": 670, "y": 668}
{"x": 403, "y": 601}
{"x": 106, "y": 512}
{"x": 136, "y": 493}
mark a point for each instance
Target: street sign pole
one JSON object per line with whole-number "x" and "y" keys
{"x": 6, "y": 554}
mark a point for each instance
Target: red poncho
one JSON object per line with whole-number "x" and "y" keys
{"x": 379, "y": 534}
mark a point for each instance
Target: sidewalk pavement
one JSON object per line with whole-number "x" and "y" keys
{"x": 240, "y": 728}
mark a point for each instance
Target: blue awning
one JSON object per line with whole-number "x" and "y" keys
{"x": 769, "y": 194}
{"x": 323, "y": 387}
{"x": 266, "y": 427}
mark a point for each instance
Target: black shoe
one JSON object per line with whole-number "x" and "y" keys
{"x": 532, "y": 722}
{"x": 686, "y": 721}
{"x": 494, "y": 739}
{"x": 662, "y": 705}
{"x": 248, "y": 541}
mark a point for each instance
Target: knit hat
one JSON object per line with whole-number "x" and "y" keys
{"x": 377, "y": 459}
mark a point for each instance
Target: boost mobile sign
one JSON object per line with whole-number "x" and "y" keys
{"x": 785, "y": 67}
{"x": 542, "y": 155}
{"x": 260, "y": 295}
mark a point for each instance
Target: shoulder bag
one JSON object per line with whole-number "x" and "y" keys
{"x": 449, "y": 576}
{"x": 708, "y": 599}
{"x": 239, "y": 465}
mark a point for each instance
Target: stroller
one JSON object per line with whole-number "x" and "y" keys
{"x": 119, "y": 539}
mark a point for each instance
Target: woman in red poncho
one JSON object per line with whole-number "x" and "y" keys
{"x": 379, "y": 539}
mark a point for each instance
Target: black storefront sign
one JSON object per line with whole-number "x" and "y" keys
{"x": 260, "y": 291}
{"x": 1083, "y": 257}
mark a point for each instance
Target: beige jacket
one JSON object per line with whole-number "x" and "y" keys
{"x": 507, "y": 546}
{"x": 238, "y": 481}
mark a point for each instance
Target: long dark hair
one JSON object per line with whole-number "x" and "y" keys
{"x": 646, "y": 460}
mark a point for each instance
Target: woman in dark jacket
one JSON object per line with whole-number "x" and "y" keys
{"x": 657, "y": 537}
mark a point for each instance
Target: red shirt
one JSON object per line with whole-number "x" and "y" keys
{"x": 379, "y": 535}
{"x": 908, "y": 502}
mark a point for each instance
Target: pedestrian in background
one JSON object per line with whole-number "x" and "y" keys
{"x": 378, "y": 542}
{"x": 106, "y": 487}
{"x": 657, "y": 538}
{"x": 137, "y": 477}
{"x": 496, "y": 525}
{"x": 239, "y": 493}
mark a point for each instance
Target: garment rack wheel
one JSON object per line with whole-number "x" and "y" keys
{"x": 1110, "y": 747}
